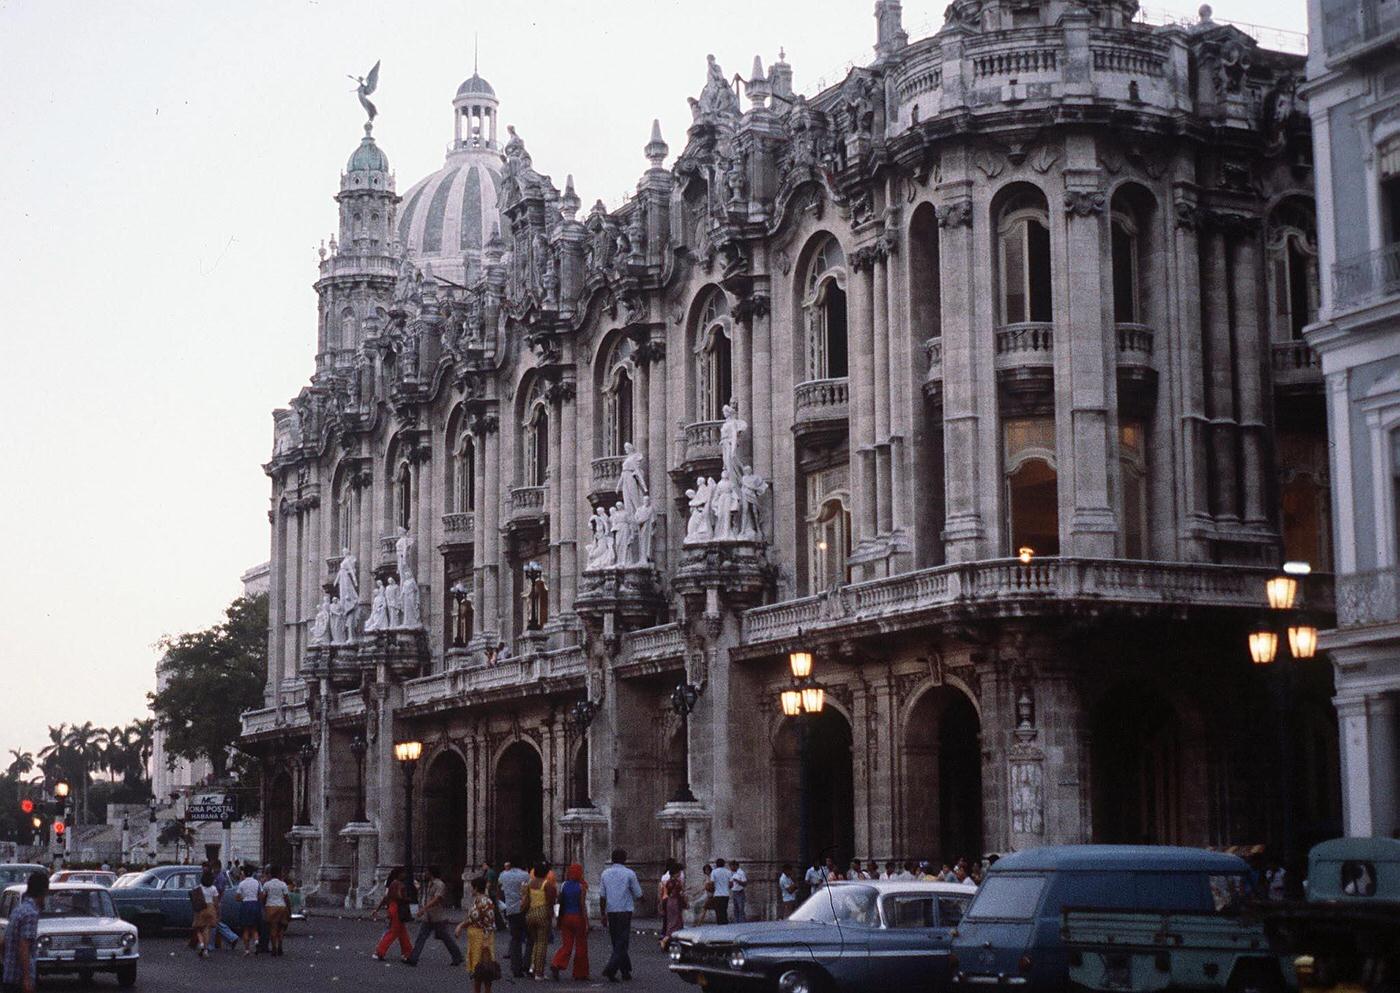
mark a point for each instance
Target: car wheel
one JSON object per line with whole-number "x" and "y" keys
{"x": 126, "y": 976}
{"x": 798, "y": 979}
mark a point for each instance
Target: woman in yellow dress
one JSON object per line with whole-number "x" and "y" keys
{"x": 480, "y": 925}
{"x": 540, "y": 897}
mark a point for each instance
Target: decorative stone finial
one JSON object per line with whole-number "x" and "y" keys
{"x": 656, "y": 149}
{"x": 757, "y": 86}
{"x": 569, "y": 203}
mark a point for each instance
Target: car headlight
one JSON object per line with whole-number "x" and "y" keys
{"x": 675, "y": 953}
{"x": 736, "y": 959}
{"x": 44, "y": 943}
{"x": 128, "y": 940}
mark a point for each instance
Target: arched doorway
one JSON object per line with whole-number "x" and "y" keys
{"x": 445, "y": 820}
{"x": 277, "y": 819}
{"x": 942, "y": 778}
{"x": 519, "y": 820}
{"x": 1137, "y": 769}
{"x": 826, "y": 792}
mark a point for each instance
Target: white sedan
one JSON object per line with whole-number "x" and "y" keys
{"x": 79, "y": 932}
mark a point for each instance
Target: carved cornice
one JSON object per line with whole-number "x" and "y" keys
{"x": 955, "y": 214}
{"x": 1084, "y": 203}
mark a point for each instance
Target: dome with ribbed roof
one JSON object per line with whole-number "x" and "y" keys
{"x": 369, "y": 157}
{"x": 475, "y": 86}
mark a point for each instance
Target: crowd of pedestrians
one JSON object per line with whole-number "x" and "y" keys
{"x": 240, "y": 904}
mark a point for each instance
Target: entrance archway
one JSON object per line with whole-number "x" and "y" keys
{"x": 445, "y": 819}
{"x": 830, "y": 788}
{"x": 277, "y": 819}
{"x": 942, "y": 778}
{"x": 1137, "y": 769}
{"x": 519, "y": 821}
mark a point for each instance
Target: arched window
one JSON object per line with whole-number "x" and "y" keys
{"x": 830, "y": 537}
{"x": 925, "y": 275}
{"x": 1132, "y": 463}
{"x": 464, "y": 488}
{"x": 347, "y": 328}
{"x": 824, "y": 306}
{"x": 714, "y": 361}
{"x": 1292, "y": 250}
{"x": 619, "y": 397}
{"x": 1023, "y": 254}
{"x": 1032, "y": 500}
{"x": 403, "y": 496}
{"x": 537, "y": 444}
{"x": 1127, "y": 301}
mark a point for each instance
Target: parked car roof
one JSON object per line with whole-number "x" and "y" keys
{"x": 1148, "y": 858}
{"x": 908, "y": 885}
{"x": 57, "y": 887}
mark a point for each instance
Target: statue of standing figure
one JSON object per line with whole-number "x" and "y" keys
{"x": 393, "y": 602}
{"x": 644, "y": 520}
{"x": 601, "y": 552}
{"x": 339, "y": 633}
{"x": 412, "y": 607}
{"x": 348, "y": 586}
{"x": 725, "y": 507}
{"x": 752, "y": 486}
{"x": 631, "y": 483}
{"x": 321, "y": 626}
{"x": 699, "y": 528}
{"x": 729, "y": 433}
{"x": 403, "y": 554}
{"x": 378, "y": 611}
{"x": 622, "y": 531}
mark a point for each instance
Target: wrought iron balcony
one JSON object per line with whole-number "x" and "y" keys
{"x": 1364, "y": 279}
{"x": 1366, "y": 599}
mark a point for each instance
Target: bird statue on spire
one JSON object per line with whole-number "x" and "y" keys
{"x": 367, "y": 85}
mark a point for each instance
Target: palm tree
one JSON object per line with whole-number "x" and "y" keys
{"x": 55, "y": 758}
{"x": 141, "y": 743}
{"x": 86, "y": 744}
{"x": 22, "y": 764}
{"x": 114, "y": 751}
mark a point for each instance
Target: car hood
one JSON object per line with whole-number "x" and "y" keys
{"x": 84, "y": 925}
{"x": 759, "y": 933}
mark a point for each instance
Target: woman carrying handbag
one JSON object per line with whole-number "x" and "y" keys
{"x": 480, "y": 925}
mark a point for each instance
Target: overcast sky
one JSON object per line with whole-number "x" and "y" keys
{"x": 166, "y": 174}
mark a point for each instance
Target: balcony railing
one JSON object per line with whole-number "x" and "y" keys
{"x": 450, "y": 687}
{"x": 606, "y": 473}
{"x": 1365, "y": 599}
{"x": 459, "y": 526}
{"x": 1366, "y": 278}
{"x": 1028, "y": 344}
{"x": 821, "y": 400}
{"x": 1295, "y": 363}
{"x": 702, "y": 440}
{"x": 1134, "y": 341}
{"x": 1350, "y": 23}
{"x": 387, "y": 545}
{"x": 526, "y": 501}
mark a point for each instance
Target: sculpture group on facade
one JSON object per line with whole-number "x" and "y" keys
{"x": 395, "y": 604}
{"x": 728, "y": 508}
{"x": 623, "y": 534}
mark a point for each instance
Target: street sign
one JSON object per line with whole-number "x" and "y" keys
{"x": 211, "y": 807}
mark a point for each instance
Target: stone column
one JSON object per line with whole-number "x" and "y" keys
{"x": 880, "y": 340}
{"x": 1219, "y": 367}
{"x": 962, "y": 333}
{"x": 658, "y": 451}
{"x": 760, "y": 415}
{"x": 490, "y": 619}
{"x": 480, "y": 544}
{"x": 425, "y": 523}
{"x": 1370, "y": 742}
{"x": 277, "y": 578}
{"x": 742, "y": 353}
{"x": 1246, "y": 276}
{"x": 874, "y": 765}
{"x": 1187, "y": 369}
{"x": 1083, "y": 332}
{"x": 862, "y": 399}
{"x": 553, "y": 501}
{"x": 570, "y": 501}
{"x": 902, "y": 372}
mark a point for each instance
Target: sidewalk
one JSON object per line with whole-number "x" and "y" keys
{"x": 640, "y": 925}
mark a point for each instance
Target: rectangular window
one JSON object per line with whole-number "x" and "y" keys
{"x": 909, "y": 911}
{"x": 1007, "y": 898}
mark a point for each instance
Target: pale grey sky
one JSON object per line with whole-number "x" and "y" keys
{"x": 167, "y": 173}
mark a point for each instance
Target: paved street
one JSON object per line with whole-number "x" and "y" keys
{"x": 331, "y": 953}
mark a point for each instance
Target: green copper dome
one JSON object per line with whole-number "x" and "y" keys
{"x": 368, "y": 158}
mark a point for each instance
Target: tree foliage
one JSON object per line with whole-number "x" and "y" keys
{"x": 211, "y": 677}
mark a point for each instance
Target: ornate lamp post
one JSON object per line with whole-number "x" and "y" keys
{"x": 683, "y": 700}
{"x": 803, "y": 700}
{"x": 306, "y": 754}
{"x": 61, "y": 790}
{"x": 358, "y": 747}
{"x": 408, "y": 752}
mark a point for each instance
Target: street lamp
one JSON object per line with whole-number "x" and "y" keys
{"x": 461, "y": 596}
{"x": 805, "y": 698}
{"x": 408, "y": 753}
{"x": 61, "y": 790}
{"x": 1263, "y": 646}
{"x": 358, "y": 747}
{"x": 683, "y": 700}
{"x": 306, "y": 754}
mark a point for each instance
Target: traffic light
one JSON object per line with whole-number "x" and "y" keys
{"x": 27, "y": 806}
{"x": 59, "y": 827}
{"x": 38, "y": 822}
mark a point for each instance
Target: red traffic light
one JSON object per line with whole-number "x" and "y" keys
{"x": 59, "y": 827}
{"x": 27, "y": 806}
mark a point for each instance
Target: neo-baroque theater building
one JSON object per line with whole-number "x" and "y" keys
{"x": 979, "y": 375}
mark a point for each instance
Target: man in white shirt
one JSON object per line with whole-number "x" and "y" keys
{"x": 721, "y": 876}
{"x": 738, "y": 883}
{"x": 787, "y": 890}
{"x": 620, "y": 892}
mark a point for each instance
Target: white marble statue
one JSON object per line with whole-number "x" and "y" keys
{"x": 339, "y": 633}
{"x": 321, "y": 626}
{"x": 621, "y": 529}
{"x": 348, "y": 586}
{"x": 393, "y": 603}
{"x": 725, "y": 507}
{"x": 729, "y": 433}
{"x": 698, "y": 528}
{"x": 403, "y": 554}
{"x": 601, "y": 554}
{"x": 630, "y": 481}
{"x": 644, "y": 520}
{"x": 378, "y": 611}
{"x": 412, "y": 608}
{"x": 752, "y": 486}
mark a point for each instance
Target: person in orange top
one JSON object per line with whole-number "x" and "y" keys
{"x": 573, "y": 924}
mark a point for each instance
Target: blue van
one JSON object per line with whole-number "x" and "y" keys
{"x": 1010, "y": 936}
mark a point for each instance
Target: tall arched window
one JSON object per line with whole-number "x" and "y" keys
{"x": 1292, "y": 249}
{"x": 1127, "y": 301}
{"x": 537, "y": 444}
{"x": 619, "y": 397}
{"x": 403, "y": 496}
{"x": 347, "y": 328}
{"x": 1032, "y": 499}
{"x": 1132, "y": 463}
{"x": 827, "y": 513}
{"x": 824, "y": 307}
{"x": 714, "y": 357}
{"x": 1023, "y": 254}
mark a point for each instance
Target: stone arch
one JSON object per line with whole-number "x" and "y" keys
{"x": 710, "y": 342}
{"x": 518, "y": 810}
{"x": 444, "y": 806}
{"x": 278, "y": 817}
{"x": 459, "y": 489}
{"x": 821, "y": 348}
{"x": 822, "y": 823}
{"x": 617, "y": 382}
{"x": 941, "y": 776}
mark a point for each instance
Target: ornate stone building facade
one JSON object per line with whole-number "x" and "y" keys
{"x": 978, "y": 375}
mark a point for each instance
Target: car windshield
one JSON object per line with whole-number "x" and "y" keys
{"x": 847, "y": 905}
{"x": 77, "y": 903}
{"x": 134, "y": 879}
{"x": 1007, "y": 898}
{"x": 14, "y": 874}
{"x": 1229, "y": 893}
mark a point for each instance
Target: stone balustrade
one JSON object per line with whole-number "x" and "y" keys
{"x": 386, "y": 550}
{"x": 459, "y": 528}
{"x": 821, "y": 400}
{"x": 346, "y": 264}
{"x": 701, "y": 442}
{"x": 526, "y": 502}
{"x": 1030, "y": 345}
{"x": 268, "y": 720}
{"x": 449, "y": 687}
{"x": 1294, "y": 364}
{"x": 607, "y": 471}
{"x": 661, "y": 642}
{"x": 1014, "y": 58}
{"x": 1134, "y": 341}
{"x": 1009, "y": 585}
{"x": 1368, "y": 598}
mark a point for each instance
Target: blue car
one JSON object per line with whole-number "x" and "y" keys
{"x": 1011, "y": 935}
{"x": 158, "y": 898}
{"x": 847, "y": 937}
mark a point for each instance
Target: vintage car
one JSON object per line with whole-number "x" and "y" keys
{"x": 846, "y": 936}
{"x": 95, "y": 876}
{"x": 79, "y": 932}
{"x": 158, "y": 898}
{"x": 17, "y": 872}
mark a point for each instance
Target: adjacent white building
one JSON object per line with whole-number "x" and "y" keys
{"x": 1353, "y": 94}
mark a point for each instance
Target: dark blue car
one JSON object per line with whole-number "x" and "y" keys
{"x": 1011, "y": 934}
{"x": 158, "y": 898}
